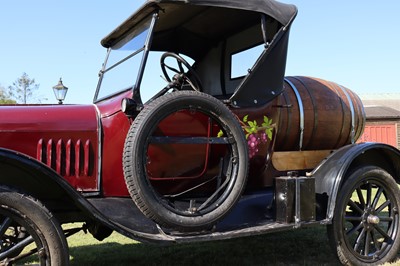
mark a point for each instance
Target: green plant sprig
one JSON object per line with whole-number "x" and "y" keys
{"x": 252, "y": 127}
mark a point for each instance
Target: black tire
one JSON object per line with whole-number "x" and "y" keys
{"x": 26, "y": 225}
{"x": 365, "y": 227}
{"x": 175, "y": 212}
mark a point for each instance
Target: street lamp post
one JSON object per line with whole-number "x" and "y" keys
{"x": 60, "y": 91}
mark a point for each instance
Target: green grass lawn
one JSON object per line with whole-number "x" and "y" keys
{"x": 298, "y": 247}
{"x": 307, "y": 246}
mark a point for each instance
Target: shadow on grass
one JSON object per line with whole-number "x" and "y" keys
{"x": 298, "y": 247}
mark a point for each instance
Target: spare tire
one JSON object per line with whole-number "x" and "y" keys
{"x": 185, "y": 160}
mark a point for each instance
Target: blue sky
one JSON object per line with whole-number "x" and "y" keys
{"x": 354, "y": 43}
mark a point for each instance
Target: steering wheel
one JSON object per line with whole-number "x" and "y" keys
{"x": 181, "y": 77}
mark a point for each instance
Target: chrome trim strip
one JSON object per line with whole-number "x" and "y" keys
{"x": 99, "y": 147}
{"x": 352, "y": 133}
{"x": 301, "y": 111}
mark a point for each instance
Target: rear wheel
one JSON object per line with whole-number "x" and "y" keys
{"x": 365, "y": 227}
{"x": 179, "y": 172}
{"x": 28, "y": 232}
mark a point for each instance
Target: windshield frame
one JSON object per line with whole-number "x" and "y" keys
{"x": 145, "y": 49}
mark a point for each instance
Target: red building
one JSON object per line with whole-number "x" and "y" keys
{"x": 383, "y": 119}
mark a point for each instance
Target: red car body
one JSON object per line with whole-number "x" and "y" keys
{"x": 89, "y": 163}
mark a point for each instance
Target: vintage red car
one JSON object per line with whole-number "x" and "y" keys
{"x": 227, "y": 147}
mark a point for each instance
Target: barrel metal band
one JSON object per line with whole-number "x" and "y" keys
{"x": 301, "y": 111}
{"x": 352, "y": 133}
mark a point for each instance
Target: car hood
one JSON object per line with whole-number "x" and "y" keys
{"x": 25, "y": 128}
{"x": 64, "y": 137}
{"x": 35, "y": 118}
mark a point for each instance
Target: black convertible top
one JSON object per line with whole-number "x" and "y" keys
{"x": 196, "y": 27}
{"x": 184, "y": 9}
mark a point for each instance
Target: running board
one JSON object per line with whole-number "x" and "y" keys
{"x": 123, "y": 216}
{"x": 246, "y": 231}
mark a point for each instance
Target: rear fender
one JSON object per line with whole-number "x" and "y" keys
{"x": 333, "y": 171}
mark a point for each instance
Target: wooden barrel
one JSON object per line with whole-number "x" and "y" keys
{"x": 316, "y": 115}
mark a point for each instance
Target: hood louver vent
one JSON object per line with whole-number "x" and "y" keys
{"x": 67, "y": 157}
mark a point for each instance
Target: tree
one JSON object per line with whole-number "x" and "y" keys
{"x": 23, "y": 89}
{"x": 4, "y": 98}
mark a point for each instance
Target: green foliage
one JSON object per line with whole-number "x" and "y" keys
{"x": 7, "y": 101}
{"x": 23, "y": 90}
{"x": 267, "y": 124}
{"x": 252, "y": 127}
{"x": 4, "y": 98}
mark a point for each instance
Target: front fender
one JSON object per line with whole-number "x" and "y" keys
{"x": 333, "y": 171}
{"x": 25, "y": 174}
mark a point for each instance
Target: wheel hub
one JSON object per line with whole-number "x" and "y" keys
{"x": 369, "y": 218}
{"x": 373, "y": 219}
